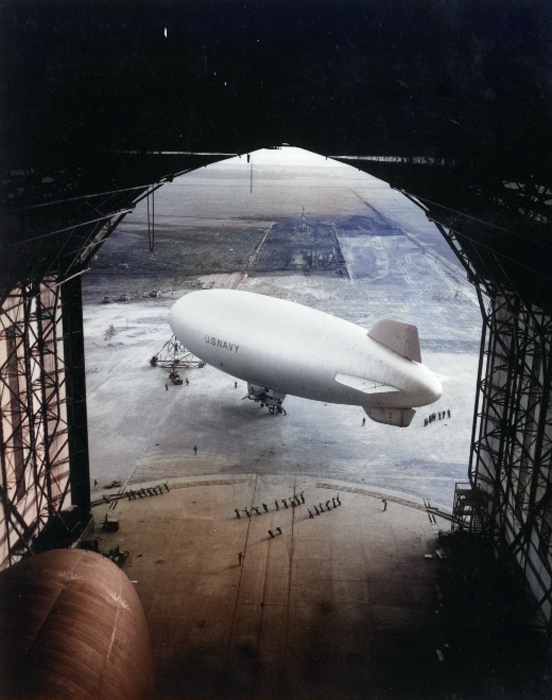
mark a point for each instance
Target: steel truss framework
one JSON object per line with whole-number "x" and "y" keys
{"x": 35, "y": 430}
{"x": 174, "y": 356}
{"x": 43, "y": 422}
{"x": 510, "y": 468}
{"x": 56, "y": 219}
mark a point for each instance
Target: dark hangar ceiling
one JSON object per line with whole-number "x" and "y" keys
{"x": 408, "y": 77}
{"x": 91, "y": 89}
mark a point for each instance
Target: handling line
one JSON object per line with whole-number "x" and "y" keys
{"x": 258, "y": 664}
{"x": 289, "y": 583}
{"x": 240, "y": 581}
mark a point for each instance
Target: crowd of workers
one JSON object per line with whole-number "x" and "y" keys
{"x": 441, "y": 415}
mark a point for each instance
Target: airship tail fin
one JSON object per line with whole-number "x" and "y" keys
{"x": 399, "y": 337}
{"x": 401, "y": 417}
{"x": 367, "y": 386}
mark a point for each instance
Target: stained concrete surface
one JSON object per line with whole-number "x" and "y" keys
{"x": 338, "y": 607}
{"x": 341, "y": 605}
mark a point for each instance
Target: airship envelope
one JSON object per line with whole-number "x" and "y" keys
{"x": 279, "y": 347}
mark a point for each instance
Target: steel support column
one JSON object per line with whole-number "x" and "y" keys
{"x": 71, "y": 292}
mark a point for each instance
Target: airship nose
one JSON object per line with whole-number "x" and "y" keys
{"x": 433, "y": 387}
{"x": 429, "y": 387}
{"x": 436, "y": 389}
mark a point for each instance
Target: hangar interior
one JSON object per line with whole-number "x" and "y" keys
{"x": 449, "y": 106}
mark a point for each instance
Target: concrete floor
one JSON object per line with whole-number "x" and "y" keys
{"x": 342, "y": 605}
{"x": 339, "y": 606}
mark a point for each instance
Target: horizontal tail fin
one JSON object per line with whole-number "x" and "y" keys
{"x": 401, "y": 417}
{"x": 367, "y": 386}
{"x": 399, "y": 337}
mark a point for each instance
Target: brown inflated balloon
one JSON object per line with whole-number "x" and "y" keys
{"x": 72, "y": 626}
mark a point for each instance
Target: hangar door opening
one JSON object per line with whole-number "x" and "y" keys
{"x": 290, "y": 224}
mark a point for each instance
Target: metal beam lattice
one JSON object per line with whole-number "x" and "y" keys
{"x": 511, "y": 457}
{"x": 34, "y": 455}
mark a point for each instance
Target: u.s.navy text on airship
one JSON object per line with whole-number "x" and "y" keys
{"x": 221, "y": 343}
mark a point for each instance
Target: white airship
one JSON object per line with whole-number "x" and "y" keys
{"x": 279, "y": 347}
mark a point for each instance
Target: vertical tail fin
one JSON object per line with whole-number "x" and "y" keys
{"x": 399, "y": 337}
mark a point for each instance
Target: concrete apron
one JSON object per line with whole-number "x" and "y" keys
{"x": 339, "y": 605}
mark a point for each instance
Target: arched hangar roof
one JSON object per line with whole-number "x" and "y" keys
{"x": 92, "y": 90}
